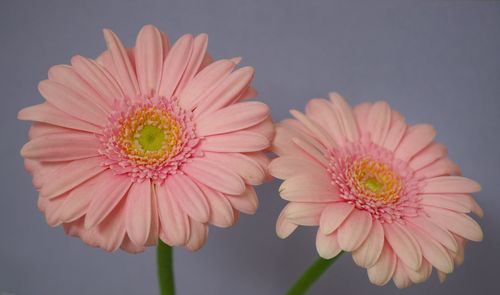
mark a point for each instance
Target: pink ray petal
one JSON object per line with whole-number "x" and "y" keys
{"x": 416, "y": 139}
{"x": 450, "y": 184}
{"x": 138, "y": 212}
{"x": 327, "y": 245}
{"x": 189, "y": 196}
{"x": 71, "y": 102}
{"x": 214, "y": 175}
{"x": 98, "y": 78}
{"x": 126, "y": 75}
{"x": 354, "y": 230}
{"x": 404, "y": 244}
{"x": 200, "y": 43}
{"x": 106, "y": 197}
{"x": 174, "y": 221}
{"x": 48, "y": 114}
{"x": 70, "y": 176}
{"x": 148, "y": 59}
{"x": 246, "y": 202}
{"x": 232, "y": 118}
{"x": 175, "y": 65}
{"x": 62, "y": 147}
{"x": 205, "y": 81}
{"x": 380, "y": 273}
{"x": 368, "y": 253}
{"x": 240, "y": 141}
{"x": 333, "y": 216}
{"x": 378, "y": 122}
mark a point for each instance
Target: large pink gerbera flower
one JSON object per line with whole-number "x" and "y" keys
{"x": 146, "y": 143}
{"x": 376, "y": 187}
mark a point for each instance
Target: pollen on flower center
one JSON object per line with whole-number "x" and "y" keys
{"x": 374, "y": 180}
{"x": 150, "y": 138}
{"x": 149, "y": 134}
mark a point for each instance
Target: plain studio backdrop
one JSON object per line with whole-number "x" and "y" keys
{"x": 435, "y": 61}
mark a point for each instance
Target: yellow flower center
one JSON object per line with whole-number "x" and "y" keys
{"x": 375, "y": 181}
{"x": 149, "y": 135}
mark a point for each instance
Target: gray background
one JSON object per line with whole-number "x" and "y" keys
{"x": 435, "y": 61}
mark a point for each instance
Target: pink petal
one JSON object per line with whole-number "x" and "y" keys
{"x": 198, "y": 237}
{"x": 226, "y": 92}
{"x": 214, "y": 175}
{"x": 420, "y": 275}
{"x": 380, "y": 273}
{"x": 197, "y": 55}
{"x": 72, "y": 103}
{"x": 433, "y": 251}
{"x": 174, "y": 222}
{"x": 436, "y": 232}
{"x": 346, "y": 116}
{"x": 189, "y": 196}
{"x": 106, "y": 197}
{"x": 246, "y": 202}
{"x": 111, "y": 231}
{"x": 315, "y": 129}
{"x": 308, "y": 188}
{"x": 333, "y": 216}
{"x": 416, "y": 139}
{"x": 404, "y": 244}
{"x": 138, "y": 212}
{"x": 379, "y": 120}
{"x": 459, "y": 223}
{"x": 368, "y": 253}
{"x": 304, "y": 213}
{"x": 428, "y": 155}
{"x": 244, "y": 166}
{"x": 78, "y": 200}
{"x": 361, "y": 112}
{"x": 62, "y": 147}
{"x": 320, "y": 111}
{"x": 450, "y": 184}
{"x": 288, "y": 166}
{"x": 312, "y": 151}
{"x": 175, "y": 65}
{"x": 327, "y": 245}
{"x": 70, "y": 176}
{"x": 354, "y": 230}
{"x": 234, "y": 117}
{"x": 240, "y": 141}
{"x": 446, "y": 202}
{"x": 148, "y": 59}
{"x": 67, "y": 76}
{"x": 284, "y": 228}
{"x": 204, "y": 82}
{"x": 98, "y": 78}
{"x": 395, "y": 134}
{"x": 221, "y": 211}
{"x": 126, "y": 75}
{"x": 400, "y": 277}
{"x": 440, "y": 167}
{"x": 48, "y": 114}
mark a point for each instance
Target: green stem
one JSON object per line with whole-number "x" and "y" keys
{"x": 165, "y": 270}
{"x": 311, "y": 275}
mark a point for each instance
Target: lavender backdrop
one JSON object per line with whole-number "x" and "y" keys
{"x": 435, "y": 61}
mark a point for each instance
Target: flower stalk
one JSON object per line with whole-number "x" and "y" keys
{"x": 311, "y": 275}
{"x": 164, "y": 260}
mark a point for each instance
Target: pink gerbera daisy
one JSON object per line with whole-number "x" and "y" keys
{"x": 376, "y": 187}
{"x": 146, "y": 143}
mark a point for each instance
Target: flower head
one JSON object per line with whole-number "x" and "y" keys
{"x": 148, "y": 142}
{"x": 376, "y": 187}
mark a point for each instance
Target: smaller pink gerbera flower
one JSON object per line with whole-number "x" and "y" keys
{"x": 376, "y": 187}
{"x": 147, "y": 143}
